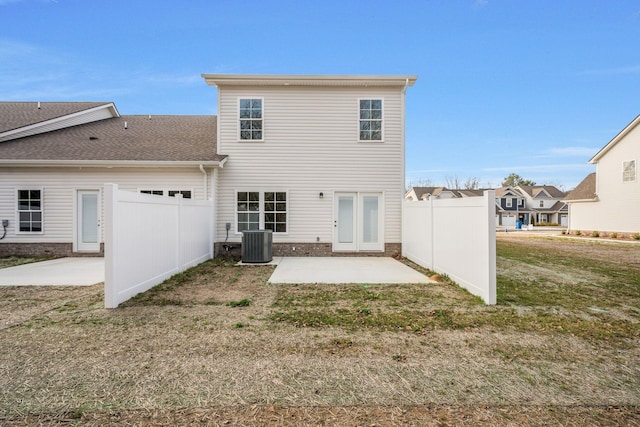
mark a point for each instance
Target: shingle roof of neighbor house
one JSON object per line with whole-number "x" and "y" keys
{"x": 14, "y": 115}
{"x": 534, "y": 190}
{"x": 124, "y": 138}
{"x": 586, "y": 190}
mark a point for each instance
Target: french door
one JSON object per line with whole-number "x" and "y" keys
{"x": 358, "y": 222}
{"x": 88, "y": 221}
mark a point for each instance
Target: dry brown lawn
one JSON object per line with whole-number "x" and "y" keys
{"x": 217, "y": 345}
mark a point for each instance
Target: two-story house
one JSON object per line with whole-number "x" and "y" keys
{"x": 545, "y": 204}
{"x": 511, "y": 207}
{"x": 317, "y": 159}
{"x": 608, "y": 200}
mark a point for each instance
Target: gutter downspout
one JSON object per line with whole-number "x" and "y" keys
{"x": 205, "y": 178}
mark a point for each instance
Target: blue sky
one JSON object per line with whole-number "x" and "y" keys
{"x": 531, "y": 87}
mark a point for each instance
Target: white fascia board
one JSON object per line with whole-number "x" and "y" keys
{"x": 110, "y": 163}
{"x": 60, "y": 121}
{"x": 615, "y": 140}
{"x": 308, "y": 80}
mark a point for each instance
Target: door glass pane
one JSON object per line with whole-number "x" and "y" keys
{"x": 89, "y": 218}
{"x": 345, "y": 219}
{"x": 370, "y": 219}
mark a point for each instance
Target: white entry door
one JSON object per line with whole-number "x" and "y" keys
{"x": 358, "y": 222}
{"x": 88, "y": 221}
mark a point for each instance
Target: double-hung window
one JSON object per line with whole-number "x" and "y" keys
{"x": 30, "y": 211}
{"x": 370, "y": 120}
{"x": 509, "y": 202}
{"x": 250, "y": 116}
{"x": 257, "y": 210}
{"x": 629, "y": 171}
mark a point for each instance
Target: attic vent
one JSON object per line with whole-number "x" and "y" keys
{"x": 93, "y": 138}
{"x": 38, "y": 105}
{"x": 125, "y": 125}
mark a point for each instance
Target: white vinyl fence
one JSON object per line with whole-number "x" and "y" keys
{"x": 456, "y": 237}
{"x": 150, "y": 238}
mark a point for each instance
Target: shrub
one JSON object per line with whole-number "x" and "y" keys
{"x": 595, "y": 233}
{"x": 613, "y": 235}
{"x": 635, "y": 236}
{"x": 578, "y": 232}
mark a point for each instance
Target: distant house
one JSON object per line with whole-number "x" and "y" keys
{"x": 608, "y": 199}
{"x": 423, "y": 193}
{"x": 530, "y": 205}
{"x": 510, "y": 207}
{"x": 319, "y": 160}
{"x": 55, "y": 158}
{"x": 545, "y": 204}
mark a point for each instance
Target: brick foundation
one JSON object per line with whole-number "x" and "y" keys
{"x": 45, "y": 249}
{"x": 307, "y": 249}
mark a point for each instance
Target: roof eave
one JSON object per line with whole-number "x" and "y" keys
{"x": 615, "y": 140}
{"x": 111, "y": 163}
{"x": 308, "y": 80}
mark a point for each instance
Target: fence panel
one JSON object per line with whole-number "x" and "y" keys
{"x": 455, "y": 237}
{"x": 150, "y": 238}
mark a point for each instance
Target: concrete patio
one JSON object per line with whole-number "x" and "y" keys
{"x": 55, "y": 272}
{"x": 343, "y": 270}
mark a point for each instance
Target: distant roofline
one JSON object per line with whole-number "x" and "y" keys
{"x": 309, "y": 80}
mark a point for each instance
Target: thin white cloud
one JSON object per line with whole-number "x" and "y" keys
{"x": 631, "y": 69}
{"x": 569, "y": 152}
{"x": 480, "y": 3}
{"x": 540, "y": 168}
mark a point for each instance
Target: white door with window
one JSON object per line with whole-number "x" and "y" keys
{"x": 88, "y": 221}
{"x": 358, "y": 222}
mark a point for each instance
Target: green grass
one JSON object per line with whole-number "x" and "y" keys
{"x": 558, "y": 292}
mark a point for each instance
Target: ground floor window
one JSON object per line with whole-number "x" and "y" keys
{"x": 256, "y": 210}
{"x": 186, "y": 194}
{"x": 30, "y": 211}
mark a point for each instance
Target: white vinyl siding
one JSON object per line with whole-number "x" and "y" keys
{"x": 618, "y": 201}
{"x": 312, "y": 146}
{"x": 59, "y": 187}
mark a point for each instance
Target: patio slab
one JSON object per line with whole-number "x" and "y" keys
{"x": 344, "y": 270}
{"x": 55, "y": 272}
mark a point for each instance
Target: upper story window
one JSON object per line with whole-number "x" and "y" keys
{"x": 30, "y": 211}
{"x": 250, "y": 116}
{"x": 542, "y": 203}
{"x": 629, "y": 171}
{"x": 509, "y": 203}
{"x": 371, "y": 120}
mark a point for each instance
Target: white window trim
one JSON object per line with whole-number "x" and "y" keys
{"x": 635, "y": 171}
{"x": 509, "y": 203}
{"x": 17, "y": 216}
{"x": 238, "y": 119}
{"x": 372, "y": 141}
{"x": 261, "y": 211}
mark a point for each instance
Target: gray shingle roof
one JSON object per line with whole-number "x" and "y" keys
{"x": 146, "y": 138}
{"x": 14, "y": 115}
{"x": 586, "y": 190}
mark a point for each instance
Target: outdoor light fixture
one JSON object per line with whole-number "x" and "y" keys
{"x": 321, "y": 194}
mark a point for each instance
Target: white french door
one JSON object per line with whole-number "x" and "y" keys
{"x": 88, "y": 221}
{"x": 358, "y": 222}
